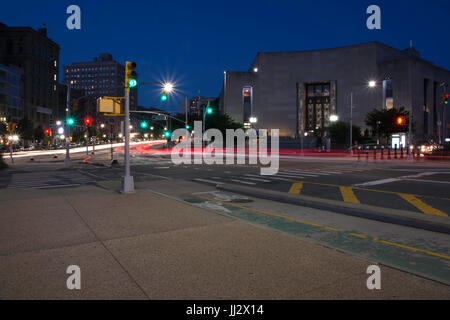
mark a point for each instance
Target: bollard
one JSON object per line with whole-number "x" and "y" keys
{"x": 401, "y": 152}
{"x": 395, "y": 152}
{"x": 375, "y": 153}
{"x": 382, "y": 151}
{"x": 367, "y": 153}
{"x": 389, "y": 153}
{"x": 359, "y": 153}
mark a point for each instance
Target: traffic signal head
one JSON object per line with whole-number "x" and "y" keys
{"x": 209, "y": 110}
{"x": 400, "y": 120}
{"x": 166, "y": 134}
{"x": 47, "y": 131}
{"x": 130, "y": 75}
{"x": 163, "y": 96}
{"x": 144, "y": 124}
{"x": 445, "y": 100}
{"x": 70, "y": 121}
{"x": 188, "y": 127}
{"x": 87, "y": 121}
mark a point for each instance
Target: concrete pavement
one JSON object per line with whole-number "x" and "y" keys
{"x": 148, "y": 246}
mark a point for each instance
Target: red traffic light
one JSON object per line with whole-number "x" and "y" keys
{"x": 87, "y": 121}
{"x": 400, "y": 120}
{"x": 47, "y": 131}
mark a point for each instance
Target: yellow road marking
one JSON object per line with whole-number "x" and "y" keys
{"x": 422, "y": 206}
{"x": 412, "y": 248}
{"x": 431, "y": 253}
{"x": 358, "y": 235}
{"x": 296, "y": 188}
{"x": 348, "y": 195}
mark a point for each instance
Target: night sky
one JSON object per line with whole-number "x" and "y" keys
{"x": 193, "y": 42}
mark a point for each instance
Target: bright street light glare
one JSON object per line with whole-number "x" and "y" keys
{"x": 334, "y": 117}
{"x": 372, "y": 83}
{"x": 168, "y": 87}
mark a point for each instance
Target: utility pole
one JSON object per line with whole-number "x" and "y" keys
{"x": 130, "y": 81}
{"x": 67, "y": 160}
{"x": 351, "y": 123}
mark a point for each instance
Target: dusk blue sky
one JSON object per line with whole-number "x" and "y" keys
{"x": 193, "y": 42}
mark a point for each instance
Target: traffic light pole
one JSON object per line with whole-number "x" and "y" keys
{"x": 67, "y": 160}
{"x": 127, "y": 182}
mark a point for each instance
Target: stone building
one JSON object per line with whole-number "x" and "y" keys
{"x": 298, "y": 92}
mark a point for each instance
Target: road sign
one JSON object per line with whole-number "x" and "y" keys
{"x": 109, "y": 105}
{"x": 158, "y": 118}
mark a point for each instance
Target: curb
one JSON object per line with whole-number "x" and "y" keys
{"x": 393, "y": 216}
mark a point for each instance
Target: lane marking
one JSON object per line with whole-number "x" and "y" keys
{"x": 208, "y": 181}
{"x": 384, "y": 181}
{"x": 422, "y": 206}
{"x": 430, "y": 181}
{"x": 256, "y": 179}
{"x": 431, "y": 253}
{"x": 348, "y": 195}
{"x": 376, "y": 182}
{"x": 245, "y": 182}
{"x": 57, "y": 186}
{"x": 296, "y": 188}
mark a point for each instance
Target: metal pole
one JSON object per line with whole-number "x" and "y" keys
{"x": 351, "y": 123}
{"x": 110, "y": 139}
{"x": 128, "y": 182}
{"x": 185, "y": 106}
{"x": 10, "y": 151}
{"x": 67, "y": 160}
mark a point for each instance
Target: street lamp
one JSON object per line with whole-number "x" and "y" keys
{"x": 253, "y": 120}
{"x": 334, "y": 118}
{"x": 168, "y": 87}
{"x": 371, "y": 84}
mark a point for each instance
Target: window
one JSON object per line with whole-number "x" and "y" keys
{"x": 247, "y": 93}
{"x": 388, "y": 94}
{"x": 317, "y": 107}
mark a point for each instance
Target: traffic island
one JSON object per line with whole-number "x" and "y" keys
{"x": 387, "y": 215}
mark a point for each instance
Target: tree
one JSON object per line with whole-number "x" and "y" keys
{"x": 3, "y": 128}
{"x": 384, "y": 122}
{"x": 39, "y": 133}
{"x": 340, "y": 132}
{"x": 25, "y": 129}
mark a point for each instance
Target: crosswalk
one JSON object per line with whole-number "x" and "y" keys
{"x": 282, "y": 176}
{"x": 47, "y": 180}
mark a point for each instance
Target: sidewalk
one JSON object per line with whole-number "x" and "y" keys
{"x": 146, "y": 246}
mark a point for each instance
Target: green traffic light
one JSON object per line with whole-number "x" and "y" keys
{"x": 188, "y": 126}
{"x": 209, "y": 110}
{"x": 144, "y": 124}
{"x": 163, "y": 97}
{"x": 70, "y": 121}
{"x": 132, "y": 83}
{"x": 167, "y": 134}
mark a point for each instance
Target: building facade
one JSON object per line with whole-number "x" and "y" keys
{"x": 98, "y": 78}
{"x": 298, "y": 92}
{"x": 11, "y": 104}
{"x": 194, "y": 105}
{"x": 38, "y": 57}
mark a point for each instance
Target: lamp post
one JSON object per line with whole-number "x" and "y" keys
{"x": 371, "y": 84}
{"x": 67, "y": 160}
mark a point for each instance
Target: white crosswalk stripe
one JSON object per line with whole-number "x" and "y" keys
{"x": 40, "y": 180}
